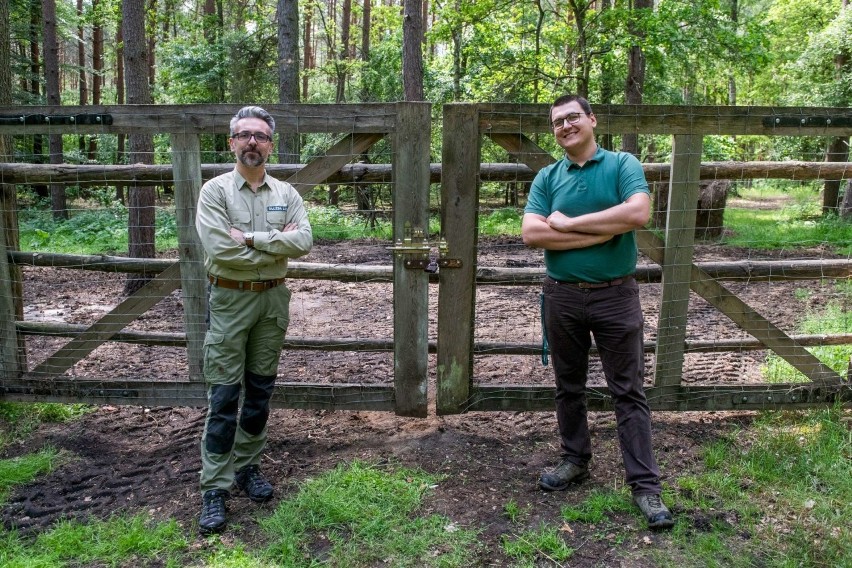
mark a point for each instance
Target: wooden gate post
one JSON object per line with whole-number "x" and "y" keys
{"x": 410, "y": 175}
{"x": 459, "y": 210}
{"x": 677, "y": 264}
{"x": 8, "y": 335}
{"x": 186, "y": 163}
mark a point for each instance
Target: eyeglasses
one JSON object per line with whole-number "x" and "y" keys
{"x": 260, "y": 137}
{"x": 570, "y": 118}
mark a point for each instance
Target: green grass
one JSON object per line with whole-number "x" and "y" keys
{"x": 798, "y": 223}
{"x": 537, "y": 547}
{"x": 121, "y": 541}
{"x": 832, "y": 318}
{"x": 18, "y": 419}
{"x": 23, "y": 469}
{"x": 787, "y": 482}
{"x": 597, "y": 506}
{"x": 358, "y": 515}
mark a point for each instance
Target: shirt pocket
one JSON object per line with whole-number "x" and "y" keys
{"x": 240, "y": 218}
{"x": 276, "y": 215}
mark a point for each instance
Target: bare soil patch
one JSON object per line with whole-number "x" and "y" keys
{"x": 128, "y": 460}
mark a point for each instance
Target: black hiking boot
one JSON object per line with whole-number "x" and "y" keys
{"x": 250, "y": 480}
{"x": 562, "y": 476}
{"x": 213, "y": 509}
{"x": 654, "y": 511}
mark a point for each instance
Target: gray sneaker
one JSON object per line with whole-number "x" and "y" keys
{"x": 656, "y": 513}
{"x": 562, "y": 476}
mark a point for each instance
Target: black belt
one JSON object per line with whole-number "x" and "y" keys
{"x": 245, "y": 285}
{"x": 587, "y": 285}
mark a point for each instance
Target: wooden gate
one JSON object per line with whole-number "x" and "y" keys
{"x": 508, "y": 125}
{"x": 408, "y": 125}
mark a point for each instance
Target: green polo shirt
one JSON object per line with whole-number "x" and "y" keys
{"x": 606, "y": 180}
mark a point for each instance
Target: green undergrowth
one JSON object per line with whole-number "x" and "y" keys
{"x": 778, "y": 494}
{"x": 357, "y": 515}
{"x": 833, "y": 317}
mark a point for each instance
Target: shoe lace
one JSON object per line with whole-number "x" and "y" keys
{"x": 214, "y": 505}
{"x": 654, "y": 502}
{"x": 253, "y": 478}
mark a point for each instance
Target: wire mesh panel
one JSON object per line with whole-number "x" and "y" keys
{"x": 745, "y": 297}
{"x": 136, "y": 325}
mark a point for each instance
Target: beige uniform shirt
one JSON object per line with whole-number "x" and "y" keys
{"x": 227, "y": 201}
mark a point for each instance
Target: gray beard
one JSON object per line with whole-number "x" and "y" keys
{"x": 251, "y": 162}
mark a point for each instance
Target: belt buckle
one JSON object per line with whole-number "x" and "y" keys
{"x": 585, "y": 285}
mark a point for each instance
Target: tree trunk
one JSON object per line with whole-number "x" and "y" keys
{"x": 58, "y": 202}
{"x": 366, "y": 95}
{"x": 635, "y": 83}
{"x": 288, "y": 74}
{"x": 97, "y": 68}
{"x": 119, "y": 100}
{"x": 412, "y": 50}
{"x": 81, "y": 64}
{"x": 308, "y": 59}
{"x": 140, "y": 201}
{"x": 838, "y": 151}
{"x": 846, "y": 204}
{"x": 35, "y": 88}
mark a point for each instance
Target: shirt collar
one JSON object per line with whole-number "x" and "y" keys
{"x": 240, "y": 181}
{"x": 597, "y": 157}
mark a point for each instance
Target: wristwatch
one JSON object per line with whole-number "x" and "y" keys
{"x": 249, "y": 237}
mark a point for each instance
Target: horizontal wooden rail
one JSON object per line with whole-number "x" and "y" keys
{"x": 748, "y": 271}
{"x": 88, "y": 174}
{"x": 705, "y": 397}
{"x": 174, "y": 339}
{"x": 173, "y": 393}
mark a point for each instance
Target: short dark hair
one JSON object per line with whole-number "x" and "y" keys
{"x": 252, "y": 112}
{"x": 565, "y": 99}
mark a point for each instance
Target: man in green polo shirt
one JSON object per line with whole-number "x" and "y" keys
{"x": 250, "y": 224}
{"x": 583, "y": 211}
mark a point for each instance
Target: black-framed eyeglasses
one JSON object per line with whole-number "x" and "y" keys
{"x": 246, "y": 136}
{"x": 570, "y": 118}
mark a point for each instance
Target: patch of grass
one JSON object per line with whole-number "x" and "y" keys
{"x": 23, "y": 469}
{"x": 505, "y": 221}
{"x": 597, "y": 506}
{"x": 797, "y": 224}
{"x": 787, "y": 482}
{"x": 358, "y": 515}
{"x": 514, "y": 512}
{"x": 17, "y": 419}
{"x": 531, "y": 547}
{"x": 121, "y": 541}
{"x": 833, "y": 318}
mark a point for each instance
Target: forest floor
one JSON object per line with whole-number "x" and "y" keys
{"x": 130, "y": 459}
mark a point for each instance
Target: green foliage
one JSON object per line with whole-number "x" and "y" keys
{"x": 506, "y": 221}
{"x": 362, "y": 515}
{"x": 18, "y": 419}
{"x": 834, "y": 317}
{"x": 531, "y": 547}
{"x": 117, "y": 542}
{"x": 92, "y": 231}
{"x": 597, "y": 506}
{"x": 788, "y": 482}
{"x": 23, "y": 469}
{"x": 794, "y": 222}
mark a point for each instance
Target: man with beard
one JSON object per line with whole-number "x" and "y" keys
{"x": 583, "y": 211}
{"x": 250, "y": 224}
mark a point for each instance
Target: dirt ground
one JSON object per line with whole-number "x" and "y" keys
{"x": 146, "y": 460}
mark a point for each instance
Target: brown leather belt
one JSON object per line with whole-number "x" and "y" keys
{"x": 592, "y": 285}
{"x": 245, "y": 285}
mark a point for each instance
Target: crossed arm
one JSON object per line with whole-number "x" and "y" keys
{"x": 561, "y": 232}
